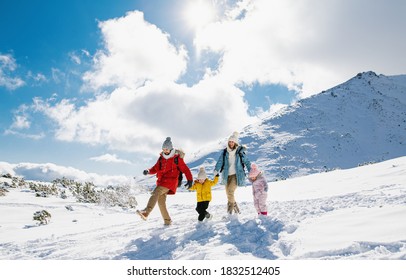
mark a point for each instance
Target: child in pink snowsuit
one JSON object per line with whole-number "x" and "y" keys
{"x": 259, "y": 189}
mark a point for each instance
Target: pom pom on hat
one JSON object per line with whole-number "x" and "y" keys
{"x": 202, "y": 174}
{"x": 167, "y": 144}
{"x": 254, "y": 171}
{"x": 234, "y": 137}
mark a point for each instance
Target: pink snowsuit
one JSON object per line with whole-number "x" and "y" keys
{"x": 260, "y": 193}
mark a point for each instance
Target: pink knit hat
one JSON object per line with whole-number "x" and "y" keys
{"x": 254, "y": 171}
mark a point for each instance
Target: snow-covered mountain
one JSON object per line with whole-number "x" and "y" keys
{"x": 362, "y": 120}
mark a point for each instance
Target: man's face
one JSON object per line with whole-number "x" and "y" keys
{"x": 166, "y": 151}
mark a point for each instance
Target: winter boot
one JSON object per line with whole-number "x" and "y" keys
{"x": 143, "y": 214}
{"x": 236, "y": 209}
{"x": 208, "y": 216}
{"x": 230, "y": 207}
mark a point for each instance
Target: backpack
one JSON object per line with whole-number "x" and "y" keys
{"x": 181, "y": 154}
{"x": 239, "y": 152}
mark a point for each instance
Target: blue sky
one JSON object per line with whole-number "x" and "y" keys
{"x": 98, "y": 85}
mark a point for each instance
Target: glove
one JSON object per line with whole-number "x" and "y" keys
{"x": 145, "y": 172}
{"x": 189, "y": 184}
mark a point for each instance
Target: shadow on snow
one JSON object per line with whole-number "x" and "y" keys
{"x": 254, "y": 236}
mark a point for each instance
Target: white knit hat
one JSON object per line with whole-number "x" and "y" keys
{"x": 202, "y": 174}
{"x": 234, "y": 137}
{"x": 254, "y": 171}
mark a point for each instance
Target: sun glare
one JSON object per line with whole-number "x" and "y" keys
{"x": 199, "y": 13}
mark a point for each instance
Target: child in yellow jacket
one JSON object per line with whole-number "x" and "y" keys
{"x": 203, "y": 186}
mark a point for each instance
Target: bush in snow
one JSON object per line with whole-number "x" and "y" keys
{"x": 117, "y": 196}
{"x": 3, "y": 191}
{"x": 17, "y": 182}
{"x": 64, "y": 182}
{"x": 63, "y": 194}
{"x": 43, "y": 217}
{"x": 366, "y": 163}
{"x": 42, "y": 190}
{"x": 85, "y": 193}
{"x": 8, "y": 176}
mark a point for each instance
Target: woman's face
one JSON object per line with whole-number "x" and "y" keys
{"x": 166, "y": 151}
{"x": 231, "y": 144}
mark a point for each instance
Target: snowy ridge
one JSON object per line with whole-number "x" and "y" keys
{"x": 362, "y": 120}
{"x": 355, "y": 213}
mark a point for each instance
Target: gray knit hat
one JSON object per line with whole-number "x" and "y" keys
{"x": 167, "y": 144}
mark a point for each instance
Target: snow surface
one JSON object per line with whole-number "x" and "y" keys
{"x": 357, "y": 213}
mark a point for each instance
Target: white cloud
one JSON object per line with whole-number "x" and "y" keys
{"x": 75, "y": 58}
{"x": 139, "y": 120}
{"x": 21, "y": 122}
{"x": 135, "y": 51}
{"x": 109, "y": 158}
{"x": 307, "y": 45}
{"x": 24, "y": 135}
{"x": 57, "y": 75}
{"x": 47, "y": 172}
{"x": 37, "y": 78}
{"x": 7, "y": 65}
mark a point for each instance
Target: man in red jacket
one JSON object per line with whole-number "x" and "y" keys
{"x": 167, "y": 169}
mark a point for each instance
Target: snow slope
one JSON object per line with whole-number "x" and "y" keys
{"x": 357, "y": 213}
{"x": 362, "y": 120}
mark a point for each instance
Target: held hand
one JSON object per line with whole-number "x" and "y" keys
{"x": 145, "y": 172}
{"x": 216, "y": 173}
{"x": 189, "y": 184}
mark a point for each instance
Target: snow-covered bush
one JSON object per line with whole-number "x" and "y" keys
{"x": 42, "y": 190}
{"x": 43, "y": 217}
{"x": 69, "y": 207}
{"x": 366, "y": 163}
{"x": 3, "y": 191}
{"x": 85, "y": 193}
{"x": 63, "y": 194}
{"x": 117, "y": 196}
{"x": 63, "y": 182}
{"x": 17, "y": 182}
{"x": 8, "y": 176}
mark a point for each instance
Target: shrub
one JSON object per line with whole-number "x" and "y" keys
{"x": 8, "y": 176}
{"x": 17, "y": 182}
{"x": 43, "y": 217}
{"x": 117, "y": 196}
{"x": 42, "y": 190}
{"x": 3, "y": 191}
{"x": 85, "y": 193}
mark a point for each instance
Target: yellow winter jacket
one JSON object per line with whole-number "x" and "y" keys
{"x": 203, "y": 191}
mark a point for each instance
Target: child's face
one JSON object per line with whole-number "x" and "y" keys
{"x": 201, "y": 181}
{"x": 253, "y": 178}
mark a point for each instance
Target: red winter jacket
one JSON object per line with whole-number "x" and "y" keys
{"x": 167, "y": 172}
